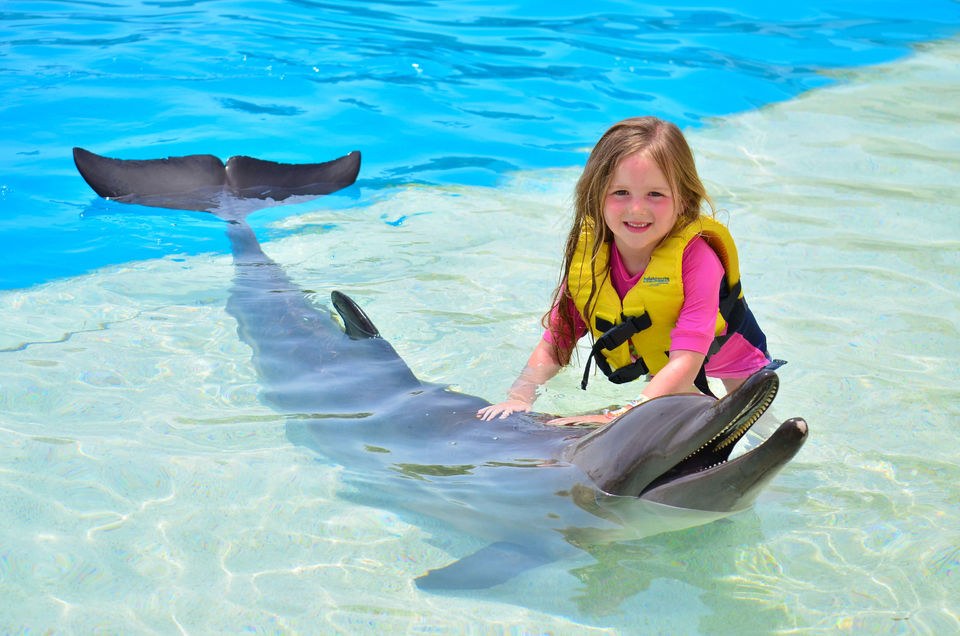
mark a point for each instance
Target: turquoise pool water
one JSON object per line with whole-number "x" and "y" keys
{"x": 145, "y": 488}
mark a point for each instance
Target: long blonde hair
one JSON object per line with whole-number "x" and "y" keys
{"x": 663, "y": 142}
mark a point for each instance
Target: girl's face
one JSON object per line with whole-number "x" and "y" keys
{"x": 639, "y": 209}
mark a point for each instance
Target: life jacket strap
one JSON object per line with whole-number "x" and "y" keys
{"x": 701, "y": 381}
{"x": 613, "y": 337}
{"x": 703, "y": 387}
{"x": 733, "y": 308}
{"x": 734, "y": 312}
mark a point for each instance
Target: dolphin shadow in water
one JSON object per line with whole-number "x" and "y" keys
{"x": 418, "y": 447}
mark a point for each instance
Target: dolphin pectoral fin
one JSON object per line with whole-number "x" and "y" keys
{"x": 495, "y": 564}
{"x": 201, "y": 182}
{"x": 248, "y": 177}
{"x": 355, "y": 322}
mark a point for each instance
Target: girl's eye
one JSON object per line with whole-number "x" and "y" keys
{"x": 620, "y": 193}
{"x": 656, "y": 194}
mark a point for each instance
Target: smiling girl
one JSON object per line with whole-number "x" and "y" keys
{"x": 655, "y": 282}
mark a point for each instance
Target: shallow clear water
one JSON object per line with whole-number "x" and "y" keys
{"x": 145, "y": 488}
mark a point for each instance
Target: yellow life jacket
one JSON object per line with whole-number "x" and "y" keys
{"x": 632, "y": 336}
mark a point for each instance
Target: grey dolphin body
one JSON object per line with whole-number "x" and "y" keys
{"x": 419, "y": 448}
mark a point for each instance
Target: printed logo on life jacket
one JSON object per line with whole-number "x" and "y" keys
{"x": 655, "y": 281}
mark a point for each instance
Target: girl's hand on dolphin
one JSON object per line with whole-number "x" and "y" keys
{"x": 523, "y": 393}
{"x": 598, "y": 418}
{"x": 580, "y": 419}
{"x": 514, "y": 405}
{"x": 503, "y": 409}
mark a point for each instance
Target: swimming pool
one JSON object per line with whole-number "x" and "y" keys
{"x": 145, "y": 487}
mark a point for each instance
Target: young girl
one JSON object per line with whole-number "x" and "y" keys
{"x": 654, "y": 281}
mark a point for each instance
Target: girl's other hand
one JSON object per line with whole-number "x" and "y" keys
{"x": 580, "y": 419}
{"x": 503, "y": 409}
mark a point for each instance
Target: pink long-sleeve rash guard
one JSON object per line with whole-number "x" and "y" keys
{"x": 702, "y": 273}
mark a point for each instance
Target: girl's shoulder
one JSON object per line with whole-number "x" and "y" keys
{"x": 700, "y": 259}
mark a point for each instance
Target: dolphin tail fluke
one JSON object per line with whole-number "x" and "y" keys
{"x": 355, "y": 321}
{"x": 256, "y": 178}
{"x": 202, "y": 182}
{"x": 495, "y": 564}
{"x": 181, "y": 183}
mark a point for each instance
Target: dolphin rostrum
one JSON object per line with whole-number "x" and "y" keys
{"x": 417, "y": 447}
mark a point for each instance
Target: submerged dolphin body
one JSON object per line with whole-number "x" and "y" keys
{"x": 526, "y": 487}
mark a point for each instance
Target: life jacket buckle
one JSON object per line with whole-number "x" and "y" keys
{"x": 612, "y": 338}
{"x": 616, "y": 335}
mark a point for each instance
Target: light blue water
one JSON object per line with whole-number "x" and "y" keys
{"x": 451, "y": 92}
{"x": 145, "y": 488}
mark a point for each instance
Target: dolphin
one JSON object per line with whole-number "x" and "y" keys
{"x": 531, "y": 490}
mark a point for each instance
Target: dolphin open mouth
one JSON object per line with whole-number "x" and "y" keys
{"x": 707, "y": 478}
{"x": 736, "y": 414}
{"x": 676, "y": 449}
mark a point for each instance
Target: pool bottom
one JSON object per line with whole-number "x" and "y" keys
{"x": 145, "y": 487}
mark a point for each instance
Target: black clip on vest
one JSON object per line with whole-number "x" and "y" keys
{"x": 614, "y": 336}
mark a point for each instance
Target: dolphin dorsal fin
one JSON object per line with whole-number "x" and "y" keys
{"x": 355, "y": 322}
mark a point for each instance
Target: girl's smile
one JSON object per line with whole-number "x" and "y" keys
{"x": 639, "y": 208}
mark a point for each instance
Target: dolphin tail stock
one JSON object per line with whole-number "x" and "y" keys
{"x": 298, "y": 344}
{"x": 202, "y": 183}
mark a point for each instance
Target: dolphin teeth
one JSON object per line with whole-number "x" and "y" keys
{"x": 731, "y": 433}
{"x": 754, "y": 414}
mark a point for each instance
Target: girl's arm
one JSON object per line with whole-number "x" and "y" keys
{"x": 677, "y": 376}
{"x": 541, "y": 366}
{"x": 693, "y": 333}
